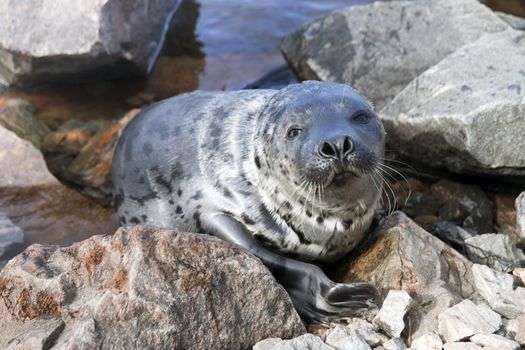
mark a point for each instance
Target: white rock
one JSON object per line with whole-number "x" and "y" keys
{"x": 390, "y": 316}
{"x": 305, "y": 341}
{"x": 520, "y": 215}
{"x": 496, "y": 288}
{"x": 368, "y": 331}
{"x": 395, "y": 344}
{"x": 466, "y": 319}
{"x": 514, "y": 21}
{"x": 520, "y": 329}
{"x": 429, "y": 341}
{"x": 344, "y": 338}
{"x": 494, "y": 340}
{"x": 495, "y": 250}
{"x": 461, "y": 346}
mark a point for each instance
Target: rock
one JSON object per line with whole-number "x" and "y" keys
{"x": 92, "y": 167}
{"x": 150, "y": 288}
{"x": 495, "y": 341}
{"x": 401, "y": 255}
{"x": 19, "y": 117}
{"x": 519, "y": 272}
{"x": 37, "y": 334}
{"x": 36, "y": 202}
{"x": 306, "y": 341}
{"x": 367, "y": 331}
{"x": 520, "y": 216}
{"x": 395, "y": 344}
{"x": 86, "y": 40}
{"x": 344, "y": 338}
{"x": 464, "y": 205}
{"x": 277, "y": 78}
{"x": 495, "y": 250}
{"x": 450, "y": 233}
{"x": 376, "y": 48}
{"x": 496, "y": 288}
{"x": 9, "y": 234}
{"x": 428, "y": 341}
{"x": 514, "y": 21}
{"x": 461, "y": 346}
{"x": 506, "y": 215}
{"x": 72, "y": 136}
{"x": 464, "y": 114}
{"x": 394, "y": 308}
{"x": 466, "y": 319}
{"x": 520, "y": 330}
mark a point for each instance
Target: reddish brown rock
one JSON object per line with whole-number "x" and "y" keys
{"x": 92, "y": 167}
{"x": 148, "y": 288}
{"x": 506, "y": 215}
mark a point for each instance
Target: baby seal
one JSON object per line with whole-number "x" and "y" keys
{"x": 291, "y": 175}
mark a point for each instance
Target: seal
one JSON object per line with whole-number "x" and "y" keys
{"x": 290, "y": 175}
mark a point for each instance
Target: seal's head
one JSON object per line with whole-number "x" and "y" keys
{"x": 323, "y": 138}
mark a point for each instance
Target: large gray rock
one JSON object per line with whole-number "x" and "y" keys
{"x": 55, "y": 39}
{"x": 379, "y": 48}
{"x": 466, "y": 112}
{"x": 148, "y": 288}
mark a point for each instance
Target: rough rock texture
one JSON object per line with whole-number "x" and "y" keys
{"x": 92, "y": 166}
{"x": 19, "y": 117}
{"x": 376, "y": 48}
{"x": 514, "y": 21}
{"x": 429, "y": 341}
{"x": 497, "y": 289}
{"x": 367, "y": 331}
{"x": 390, "y": 316}
{"x": 57, "y": 39}
{"x": 38, "y": 203}
{"x": 466, "y": 319}
{"x": 395, "y": 344}
{"x": 506, "y": 215}
{"x": 72, "y": 136}
{"x": 520, "y": 330}
{"x": 149, "y": 288}
{"x": 466, "y": 113}
{"x": 461, "y": 346}
{"x": 520, "y": 215}
{"x": 401, "y": 255}
{"x": 495, "y": 250}
{"x": 34, "y": 334}
{"x": 306, "y": 341}
{"x": 341, "y": 337}
{"x": 495, "y": 341}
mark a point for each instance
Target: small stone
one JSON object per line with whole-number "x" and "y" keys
{"x": 520, "y": 215}
{"x": 520, "y": 330}
{"x": 461, "y": 346}
{"x": 395, "y": 344}
{"x": 495, "y": 341}
{"x": 390, "y": 316}
{"x": 496, "y": 288}
{"x": 344, "y": 338}
{"x": 305, "y": 341}
{"x": 428, "y": 341}
{"x": 466, "y": 319}
{"x": 519, "y": 272}
{"x": 495, "y": 250}
{"x": 368, "y": 331}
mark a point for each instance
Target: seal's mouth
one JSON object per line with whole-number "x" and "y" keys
{"x": 347, "y": 174}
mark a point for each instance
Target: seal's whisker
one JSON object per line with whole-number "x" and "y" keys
{"x": 386, "y": 168}
{"x": 394, "y": 197}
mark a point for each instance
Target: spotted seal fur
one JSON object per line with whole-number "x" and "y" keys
{"x": 290, "y": 175}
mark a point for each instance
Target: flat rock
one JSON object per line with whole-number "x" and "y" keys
{"x": 495, "y": 341}
{"x": 497, "y": 290}
{"x": 466, "y": 319}
{"x": 306, "y": 341}
{"x": 465, "y": 113}
{"x": 495, "y": 250}
{"x": 92, "y": 166}
{"x": 106, "y": 38}
{"x": 520, "y": 215}
{"x": 401, "y": 255}
{"x": 19, "y": 117}
{"x": 428, "y": 341}
{"x": 36, "y": 202}
{"x": 376, "y": 48}
{"x": 149, "y": 288}
{"x": 394, "y": 308}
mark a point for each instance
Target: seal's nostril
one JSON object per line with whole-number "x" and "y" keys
{"x": 327, "y": 150}
{"x": 348, "y": 146}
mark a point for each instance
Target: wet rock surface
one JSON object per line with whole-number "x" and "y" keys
{"x": 464, "y": 114}
{"x": 148, "y": 288}
{"x": 102, "y": 38}
{"x": 376, "y": 48}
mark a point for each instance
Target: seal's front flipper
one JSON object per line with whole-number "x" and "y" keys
{"x": 315, "y": 297}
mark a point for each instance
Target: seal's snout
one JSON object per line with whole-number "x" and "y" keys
{"x": 338, "y": 149}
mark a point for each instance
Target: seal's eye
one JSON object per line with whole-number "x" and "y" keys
{"x": 361, "y": 118}
{"x": 293, "y": 132}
